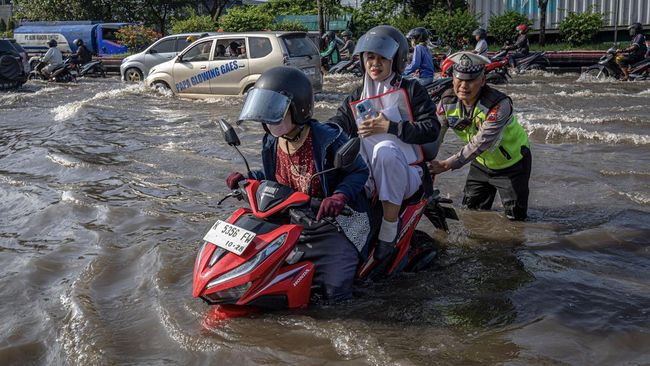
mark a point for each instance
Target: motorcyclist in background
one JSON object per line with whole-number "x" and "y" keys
{"x": 53, "y": 57}
{"x": 331, "y": 55}
{"x": 521, "y": 45}
{"x": 636, "y": 52}
{"x": 295, "y": 147}
{"x": 348, "y": 47}
{"x": 421, "y": 66}
{"x": 83, "y": 55}
{"x": 481, "y": 44}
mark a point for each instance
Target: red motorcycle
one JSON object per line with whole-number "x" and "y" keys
{"x": 252, "y": 259}
{"x": 496, "y": 71}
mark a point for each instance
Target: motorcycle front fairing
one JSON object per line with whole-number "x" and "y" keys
{"x": 260, "y": 276}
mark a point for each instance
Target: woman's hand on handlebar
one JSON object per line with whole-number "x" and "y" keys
{"x": 332, "y": 206}
{"x": 233, "y": 179}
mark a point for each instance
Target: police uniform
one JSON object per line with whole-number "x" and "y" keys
{"x": 496, "y": 144}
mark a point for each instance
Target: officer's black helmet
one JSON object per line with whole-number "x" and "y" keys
{"x": 418, "y": 34}
{"x": 276, "y": 90}
{"x": 480, "y": 32}
{"x": 386, "y": 41}
{"x": 52, "y": 43}
{"x": 635, "y": 28}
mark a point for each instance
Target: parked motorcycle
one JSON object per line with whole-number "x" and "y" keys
{"x": 608, "y": 67}
{"x": 252, "y": 259}
{"x": 61, "y": 74}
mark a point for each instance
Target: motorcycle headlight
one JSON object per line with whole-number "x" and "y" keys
{"x": 251, "y": 264}
{"x": 229, "y": 295}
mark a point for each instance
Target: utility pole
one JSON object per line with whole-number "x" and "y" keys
{"x": 616, "y": 21}
{"x": 321, "y": 22}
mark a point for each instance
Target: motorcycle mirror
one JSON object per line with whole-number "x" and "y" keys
{"x": 229, "y": 134}
{"x": 346, "y": 154}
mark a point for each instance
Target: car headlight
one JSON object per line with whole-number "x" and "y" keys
{"x": 251, "y": 264}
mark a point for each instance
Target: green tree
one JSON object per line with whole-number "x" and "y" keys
{"x": 452, "y": 30}
{"x": 193, "y": 23}
{"x": 503, "y": 27}
{"x": 405, "y": 23}
{"x": 580, "y": 28}
{"x": 216, "y": 7}
{"x": 244, "y": 19}
{"x": 11, "y": 25}
{"x": 289, "y": 25}
{"x": 136, "y": 37}
{"x": 3, "y": 25}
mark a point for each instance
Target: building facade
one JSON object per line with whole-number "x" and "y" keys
{"x": 627, "y": 11}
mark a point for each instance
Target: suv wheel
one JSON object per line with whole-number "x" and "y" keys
{"x": 133, "y": 75}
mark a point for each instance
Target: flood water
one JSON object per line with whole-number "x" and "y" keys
{"x": 107, "y": 189}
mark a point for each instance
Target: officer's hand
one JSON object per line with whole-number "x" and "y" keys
{"x": 373, "y": 126}
{"x": 438, "y": 166}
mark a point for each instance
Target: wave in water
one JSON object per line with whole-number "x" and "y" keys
{"x": 637, "y": 197}
{"x": 11, "y": 98}
{"x": 590, "y": 93}
{"x": 69, "y": 110}
{"x": 557, "y": 131}
{"x": 623, "y": 172}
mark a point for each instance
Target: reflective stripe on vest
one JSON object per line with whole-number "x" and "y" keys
{"x": 506, "y": 151}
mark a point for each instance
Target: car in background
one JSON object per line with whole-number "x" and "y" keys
{"x": 12, "y": 69}
{"x": 23, "y": 54}
{"x": 136, "y": 67}
{"x": 230, "y": 63}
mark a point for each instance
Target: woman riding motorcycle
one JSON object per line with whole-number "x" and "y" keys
{"x": 421, "y": 67}
{"x": 295, "y": 147}
{"x": 522, "y": 46}
{"x": 390, "y": 140}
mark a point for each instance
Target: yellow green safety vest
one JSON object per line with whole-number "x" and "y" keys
{"x": 507, "y": 150}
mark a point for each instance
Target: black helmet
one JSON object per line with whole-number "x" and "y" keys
{"x": 276, "y": 90}
{"x": 51, "y": 43}
{"x": 386, "y": 41}
{"x": 635, "y": 28}
{"x": 480, "y": 32}
{"x": 78, "y": 42}
{"x": 418, "y": 34}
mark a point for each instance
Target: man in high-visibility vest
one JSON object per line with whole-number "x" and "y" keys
{"x": 495, "y": 143}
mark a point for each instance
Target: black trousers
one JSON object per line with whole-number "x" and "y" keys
{"x": 335, "y": 260}
{"x": 512, "y": 184}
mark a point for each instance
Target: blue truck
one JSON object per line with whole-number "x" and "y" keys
{"x": 98, "y": 37}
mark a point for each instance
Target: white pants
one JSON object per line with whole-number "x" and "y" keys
{"x": 391, "y": 176}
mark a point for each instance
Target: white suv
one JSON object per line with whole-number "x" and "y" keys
{"x": 230, "y": 63}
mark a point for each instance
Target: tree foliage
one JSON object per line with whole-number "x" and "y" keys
{"x": 405, "y": 23}
{"x": 289, "y": 25}
{"x": 503, "y": 27}
{"x": 452, "y": 30}
{"x": 193, "y": 23}
{"x": 136, "y": 37}
{"x": 3, "y": 25}
{"x": 580, "y": 28}
{"x": 244, "y": 19}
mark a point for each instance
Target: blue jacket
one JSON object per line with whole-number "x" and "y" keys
{"x": 421, "y": 60}
{"x": 326, "y": 139}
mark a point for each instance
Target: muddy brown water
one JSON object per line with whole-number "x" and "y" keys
{"x": 107, "y": 189}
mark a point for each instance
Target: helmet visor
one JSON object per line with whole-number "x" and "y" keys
{"x": 264, "y": 106}
{"x": 379, "y": 44}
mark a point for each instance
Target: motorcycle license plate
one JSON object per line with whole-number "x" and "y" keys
{"x": 229, "y": 237}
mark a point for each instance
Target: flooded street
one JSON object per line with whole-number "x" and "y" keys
{"x": 108, "y": 188}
